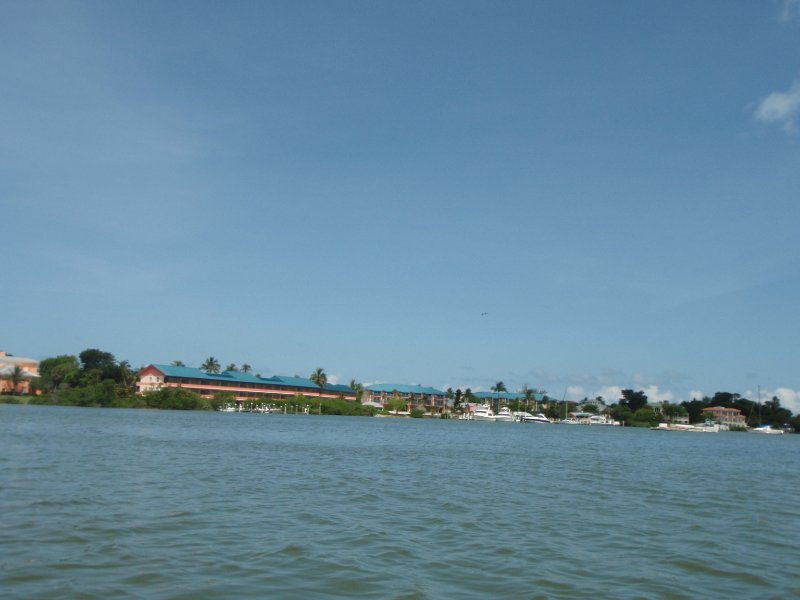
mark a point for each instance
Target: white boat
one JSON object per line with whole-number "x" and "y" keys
{"x": 707, "y": 427}
{"x": 567, "y": 422}
{"x": 601, "y": 420}
{"x": 505, "y": 415}
{"x": 483, "y": 413}
{"x": 537, "y": 418}
{"x": 766, "y": 430}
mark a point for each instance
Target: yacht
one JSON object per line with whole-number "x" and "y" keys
{"x": 537, "y": 418}
{"x": 504, "y": 414}
{"x": 483, "y": 413}
{"x": 767, "y": 430}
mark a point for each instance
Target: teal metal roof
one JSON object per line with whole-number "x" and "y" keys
{"x": 404, "y": 389}
{"x": 239, "y": 376}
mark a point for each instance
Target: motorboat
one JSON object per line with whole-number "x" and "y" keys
{"x": 707, "y": 427}
{"x": 537, "y": 418}
{"x": 601, "y": 420}
{"x": 483, "y": 413}
{"x": 505, "y": 415}
{"x": 766, "y": 430}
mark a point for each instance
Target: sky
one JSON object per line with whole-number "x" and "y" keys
{"x": 576, "y": 196}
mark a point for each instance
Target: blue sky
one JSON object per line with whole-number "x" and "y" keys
{"x": 351, "y": 185}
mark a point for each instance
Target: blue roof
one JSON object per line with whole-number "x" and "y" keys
{"x": 279, "y": 380}
{"x": 404, "y": 389}
{"x": 506, "y": 396}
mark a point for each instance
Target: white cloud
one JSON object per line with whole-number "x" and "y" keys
{"x": 695, "y": 395}
{"x": 610, "y": 393}
{"x": 576, "y": 392}
{"x": 789, "y": 398}
{"x": 781, "y": 108}
{"x": 656, "y": 396}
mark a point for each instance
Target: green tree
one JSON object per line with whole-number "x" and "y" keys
{"x": 15, "y": 377}
{"x": 396, "y": 403}
{"x": 633, "y": 400}
{"x": 527, "y": 394}
{"x": 498, "y": 388}
{"x": 178, "y": 363}
{"x": 231, "y": 367}
{"x": 246, "y": 368}
{"x": 358, "y": 388}
{"x": 211, "y": 365}
{"x": 97, "y": 366}
{"x": 59, "y": 371}
{"x": 320, "y": 379}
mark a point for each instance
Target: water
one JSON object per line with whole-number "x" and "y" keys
{"x": 100, "y": 503}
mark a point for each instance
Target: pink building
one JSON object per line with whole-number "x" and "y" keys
{"x": 28, "y": 366}
{"x": 731, "y": 417}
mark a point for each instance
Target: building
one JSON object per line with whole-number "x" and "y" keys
{"x": 244, "y": 386}
{"x": 495, "y": 399}
{"x": 29, "y": 370}
{"x": 732, "y": 417}
{"x": 428, "y": 399}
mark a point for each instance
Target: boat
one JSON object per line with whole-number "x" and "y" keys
{"x": 567, "y": 422}
{"x": 504, "y": 415}
{"x": 763, "y": 429}
{"x": 537, "y": 418}
{"x": 766, "y": 430}
{"x": 483, "y": 413}
{"x": 707, "y": 427}
{"x": 602, "y": 420}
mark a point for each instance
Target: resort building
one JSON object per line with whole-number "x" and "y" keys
{"x": 495, "y": 399}
{"x": 428, "y": 399}
{"x": 244, "y": 386}
{"x": 732, "y": 417}
{"x": 26, "y": 369}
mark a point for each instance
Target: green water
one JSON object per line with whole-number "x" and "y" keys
{"x": 143, "y": 504}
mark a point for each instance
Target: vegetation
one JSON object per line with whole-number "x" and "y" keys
{"x": 319, "y": 378}
{"x": 97, "y": 378}
{"x": 211, "y": 365}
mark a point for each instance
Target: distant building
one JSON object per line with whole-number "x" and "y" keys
{"x": 732, "y": 417}
{"x": 28, "y": 366}
{"x": 244, "y": 386}
{"x": 497, "y": 398}
{"x": 428, "y": 399}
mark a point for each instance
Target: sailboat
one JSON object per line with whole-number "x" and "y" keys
{"x": 764, "y": 429}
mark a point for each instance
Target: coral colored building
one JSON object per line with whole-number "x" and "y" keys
{"x": 30, "y": 370}
{"x": 416, "y": 396}
{"x": 244, "y": 386}
{"x": 725, "y": 416}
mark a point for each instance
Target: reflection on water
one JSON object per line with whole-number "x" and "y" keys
{"x": 143, "y": 504}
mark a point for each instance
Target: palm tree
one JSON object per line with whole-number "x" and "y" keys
{"x": 499, "y": 387}
{"x": 231, "y": 367}
{"x": 126, "y": 374}
{"x": 17, "y": 376}
{"x": 211, "y": 365}
{"x": 320, "y": 379}
{"x": 178, "y": 363}
{"x": 527, "y": 393}
{"x": 246, "y": 368}
{"x": 358, "y": 388}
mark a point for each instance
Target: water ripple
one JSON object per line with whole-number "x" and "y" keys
{"x": 140, "y": 504}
